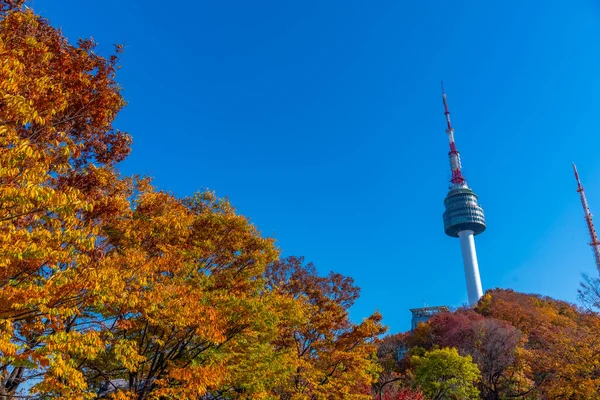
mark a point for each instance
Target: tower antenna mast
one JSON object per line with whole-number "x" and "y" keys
{"x": 454, "y": 155}
{"x": 595, "y": 243}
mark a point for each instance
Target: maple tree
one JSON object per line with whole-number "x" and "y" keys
{"x": 333, "y": 358}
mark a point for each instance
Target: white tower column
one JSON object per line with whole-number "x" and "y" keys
{"x": 469, "y": 255}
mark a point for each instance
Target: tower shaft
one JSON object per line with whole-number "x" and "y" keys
{"x": 594, "y": 242}
{"x": 469, "y": 255}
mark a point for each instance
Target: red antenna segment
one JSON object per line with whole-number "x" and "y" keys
{"x": 455, "y": 165}
{"x": 595, "y": 243}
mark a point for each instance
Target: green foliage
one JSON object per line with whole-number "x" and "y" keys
{"x": 445, "y": 374}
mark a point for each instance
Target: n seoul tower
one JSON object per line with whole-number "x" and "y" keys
{"x": 463, "y": 217}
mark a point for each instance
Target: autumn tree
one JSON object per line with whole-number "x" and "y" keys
{"x": 445, "y": 374}
{"x": 333, "y": 357}
{"x": 57, "y": 183}
{"x": 561, "y": 348}
{"x": 390, "y": 351}
{"x": 494, "y": 345}
{"x": 185, "y": 309}
{"x": 108, "y": 285}
{"x": 113, "y": 288}
{"x": 526, "y": 346}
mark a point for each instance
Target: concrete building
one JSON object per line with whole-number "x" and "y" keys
{"x": 422, "y": 315}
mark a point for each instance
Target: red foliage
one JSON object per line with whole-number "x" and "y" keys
{"x": 523, "y": 344}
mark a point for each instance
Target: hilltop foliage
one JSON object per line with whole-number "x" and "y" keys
{"x": 525, "y": 346}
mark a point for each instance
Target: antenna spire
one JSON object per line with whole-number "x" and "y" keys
{"x": 595, "y": 243}
{"x": 454, "y": 155}
{"x": 579, "y": 185}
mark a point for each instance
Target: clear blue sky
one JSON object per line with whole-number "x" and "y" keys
{"x": 322, "y": 121}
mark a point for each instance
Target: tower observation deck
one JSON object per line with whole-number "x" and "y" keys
{"x": 463, "y": 217}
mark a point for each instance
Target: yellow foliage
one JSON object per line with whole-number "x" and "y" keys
{"x": 105, "y": 279}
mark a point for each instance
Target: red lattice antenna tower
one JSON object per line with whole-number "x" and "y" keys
{"x": 595, "y": 243}
{"x": 455, "y": 165}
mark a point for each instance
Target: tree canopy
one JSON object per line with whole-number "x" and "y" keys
{"x": 525, "y": 346}
{"x": 445, "y": 374}
{"x": 110, "y": 287}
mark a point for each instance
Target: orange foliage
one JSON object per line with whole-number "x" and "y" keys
{"x": 333, "y": 358}
{"x": 110, "y": 287}
{"x": 57, "y": 151}
{"x": 182, "y": 298}
{"x": 562, "y": 349}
